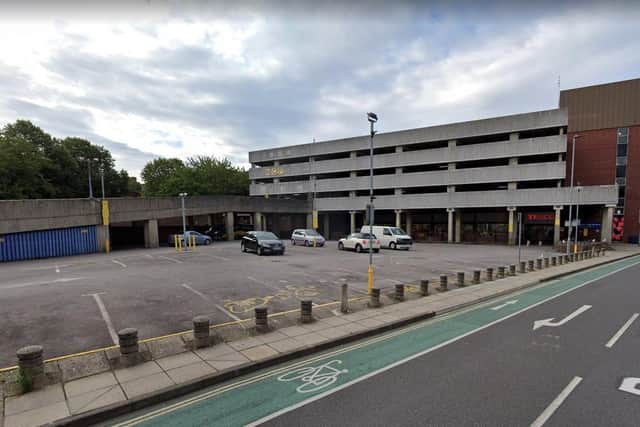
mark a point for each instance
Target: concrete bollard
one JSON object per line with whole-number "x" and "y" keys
{"x": 530, "y": 265}
{"x": 572, "y": 258}
{"x": 31, "y": 364}
{"x": 512, "y": 270}
{"x": 374, "y": 298}
{"x": 554, "y": 261}
{"x": 501, "y": 272}
{"x": 546, "y": 262}
{"x": 539, "y": 264}
{"x": 424, "y": 287}
{"x": 262, "y": 319}
{"x": 523, "y": 267}
{"x": 443, "y": 283}
{"x": 344, "y": 298}
{"x": 128, "y": 342}
{"x": 398, "y": 295}
{"x": 201, "y": 331}
{"x": 604, "y": 252}
{"x": 306, "y": 311}
{"x": 476, "y": 276}
{"x": 460, "y": 276}
{"x": 489, "y": 274}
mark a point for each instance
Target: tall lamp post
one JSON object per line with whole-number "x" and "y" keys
{"x": 88, "y": 159}
{"x": 373, "y": 118}
{"x": 102, "y": 180}
{"x": 184, "y": 219}
{"x": 575, "y": 245}
{"x": 573, "y": 167}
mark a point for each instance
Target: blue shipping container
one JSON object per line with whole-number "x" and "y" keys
{"x": 48, "y": 243}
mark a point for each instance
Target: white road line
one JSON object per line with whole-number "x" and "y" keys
{"x": 57, "y": 269}
{"x": 622, "y": 330}
{"x": 177, "y": 261}
{"x": 206, "y": 298}
{"x": 553, "y": 406}
{"x": 219, "y": 257}
{"x": 48, "y": 282}
{"x": 228, "y": 313}
{"x": 195, "y": 291}
{"x": 120, "y": 263}
{"x": 105, "y": 316}
{"x": 253, "y": 279}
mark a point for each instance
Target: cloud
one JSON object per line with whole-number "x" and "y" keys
{"x": 179, "y": 80}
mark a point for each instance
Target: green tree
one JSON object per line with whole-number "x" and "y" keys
{"x": 21, "y": 166}
{"x": 163, "y": 177}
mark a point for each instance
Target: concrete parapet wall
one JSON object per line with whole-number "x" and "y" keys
{"x": 44, "y": 214}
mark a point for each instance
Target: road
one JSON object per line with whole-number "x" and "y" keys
{"x": 486, "y": 365}
{"x": 78, "y": 303}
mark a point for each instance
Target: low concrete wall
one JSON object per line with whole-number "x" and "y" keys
{"x": 29, "y": 215}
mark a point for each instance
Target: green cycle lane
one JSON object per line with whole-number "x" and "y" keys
{"x": 258, "y": 396}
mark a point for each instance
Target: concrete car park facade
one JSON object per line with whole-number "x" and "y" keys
{"x": 457, "y": 182}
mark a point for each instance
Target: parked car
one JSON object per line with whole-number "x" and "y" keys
{"x": 262, "y": 242}
{"x": 307, "y": 237}
{"x": 201, "y": 239}
{"x": 359, "y": 242}
{"x": 216, "y": 232}
{"x": 390, "y": 237}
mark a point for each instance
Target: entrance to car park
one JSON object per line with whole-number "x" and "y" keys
{"x": 127, "y": 235}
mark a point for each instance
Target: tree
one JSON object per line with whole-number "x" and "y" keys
{"x": 21, "y": 166}
{"x": 163, "y": 177}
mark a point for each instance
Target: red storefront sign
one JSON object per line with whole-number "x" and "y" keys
{"x": 540, "y": 218}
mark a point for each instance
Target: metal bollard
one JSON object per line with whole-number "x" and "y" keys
{"x": 424, "y": 287}
{"x": 306, "y": 311}
{"x": 546, "y": 262}
{"x": 476, "y": 276}
{"x": 201, "y": 331}
{"x": 374, "y": 300}
{"x": 530, "y": 265}
{"x": 344, "y": 298}
{"x": 443, "y": 282}
{"x": 501, "y": 272}
{"x": 539, "y": 264}
{"x": 523, "y": 267}
{"x": 489, "y": 274}
{"x": 512, "y": 270}
{"x": 31, "y": 364}
{"x": 460, "y": 277}
{"x": 398, "y": 295}
{"x": 262, "y": 319}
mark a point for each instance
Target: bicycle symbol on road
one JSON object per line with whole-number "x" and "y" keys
{"x": 314, "y": 379}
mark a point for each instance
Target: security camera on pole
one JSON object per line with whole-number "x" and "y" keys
{"x": 373, "y": 118}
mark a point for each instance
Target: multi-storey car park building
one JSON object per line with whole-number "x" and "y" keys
{"x": 456, "y": 182}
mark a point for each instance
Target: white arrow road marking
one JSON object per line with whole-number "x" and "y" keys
{"x": 553, "y": 406}
{"x": 105, "y": 316}
{"x": 549, "y": 322}
{"x": 501, "y": 306}
{"x": 621, "y": 331}
{"x": 630, "y": 385}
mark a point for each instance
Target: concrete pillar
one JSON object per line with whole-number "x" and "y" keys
{"x": 514, "y": 163}
{"x": 450, "y": 233}
{"x": 556, "y": 225}
{"x": 607, "y": 224}
{"x": 513, "y": 236}
{"x": 353, "y": 154}
{"x": 151, "y": 234}
{"x": 257, "y": 221}
{"x": 352, "y": 221}
{"x": 408, "y": 220}
{"x": 512, "y": 186}
{"x": 397, "y": 191}
{"x": 398, "y": 217}
{"x": 325, "y": 228}
{"x": 514, "y": 136}
{"x": 229, "y": 225}
{"x": 458, "y": 232}
{"x": 276, "y": 163}
{"x": 353, "y": 174}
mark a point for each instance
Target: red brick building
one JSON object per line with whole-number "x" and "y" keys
{"x": 606, "y": 122}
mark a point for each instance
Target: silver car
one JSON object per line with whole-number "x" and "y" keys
{"x": 307, "y": 237}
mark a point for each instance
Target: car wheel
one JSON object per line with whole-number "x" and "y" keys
{"x": 293, "y": 242}
{"x": 340, "y": 246}
{"x": 259, "y": 251}
{"x": 358, "y": 248}
{"x": 243, "y": 247}
{"x": 392, "y": 245}
{"x": 306, "y": 243}
{"x": 207, "y": 242}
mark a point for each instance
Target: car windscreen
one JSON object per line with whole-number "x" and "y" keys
{"x": 398, "y": 231}
{"x": 366, "y": 236}
{"x": 311, "y": 233}
{"x": 265, "y": 235}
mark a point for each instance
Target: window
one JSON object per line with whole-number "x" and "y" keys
{"x": 621, "y": 160}
{"x": 622, "y": 150}
{"x": 621, "y": 171}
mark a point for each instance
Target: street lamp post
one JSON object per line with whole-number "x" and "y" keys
{"x": 102, "y": 180}
{"x": 575, "y": 245}
{"x": 573, "y": 164}
{"x": 184, "y": 219}
{"x": 519, "y": 236}
{"x": 373, "y": 118}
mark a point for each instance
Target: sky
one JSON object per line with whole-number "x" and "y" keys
{"x": 149, "y": 79}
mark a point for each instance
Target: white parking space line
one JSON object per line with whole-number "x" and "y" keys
{"x": 621, "y": 331}
{"x": 177, "y": 261}
{"x": 221, "y": 258}
{"x": 57, "y": 269}
{"x": 253, "y": 279}
{"x": 120, "y": 263}
{"x": 553, "y": 406}
{"x": 47, "y": 282}
{"x": 206, "y": 298}
{"x": 105, "y": 316}
{"x": 393, "y": 281}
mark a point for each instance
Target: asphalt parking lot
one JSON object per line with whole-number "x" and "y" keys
{"x": 76, "y": 304}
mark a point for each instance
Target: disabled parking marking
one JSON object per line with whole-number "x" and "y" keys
{"x": 207, "y": 299}
{"x": 248, "y": 304}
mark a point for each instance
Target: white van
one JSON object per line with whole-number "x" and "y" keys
{"x": 390, "y": 237}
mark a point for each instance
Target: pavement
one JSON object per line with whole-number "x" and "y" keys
{"x": 75, "y": 304}
{"x": 87, "y": 385}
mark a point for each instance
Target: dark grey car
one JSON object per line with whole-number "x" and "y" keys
{"x": 262, "y": 242}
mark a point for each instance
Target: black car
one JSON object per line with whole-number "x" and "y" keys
{"x": 262, "y": 242}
